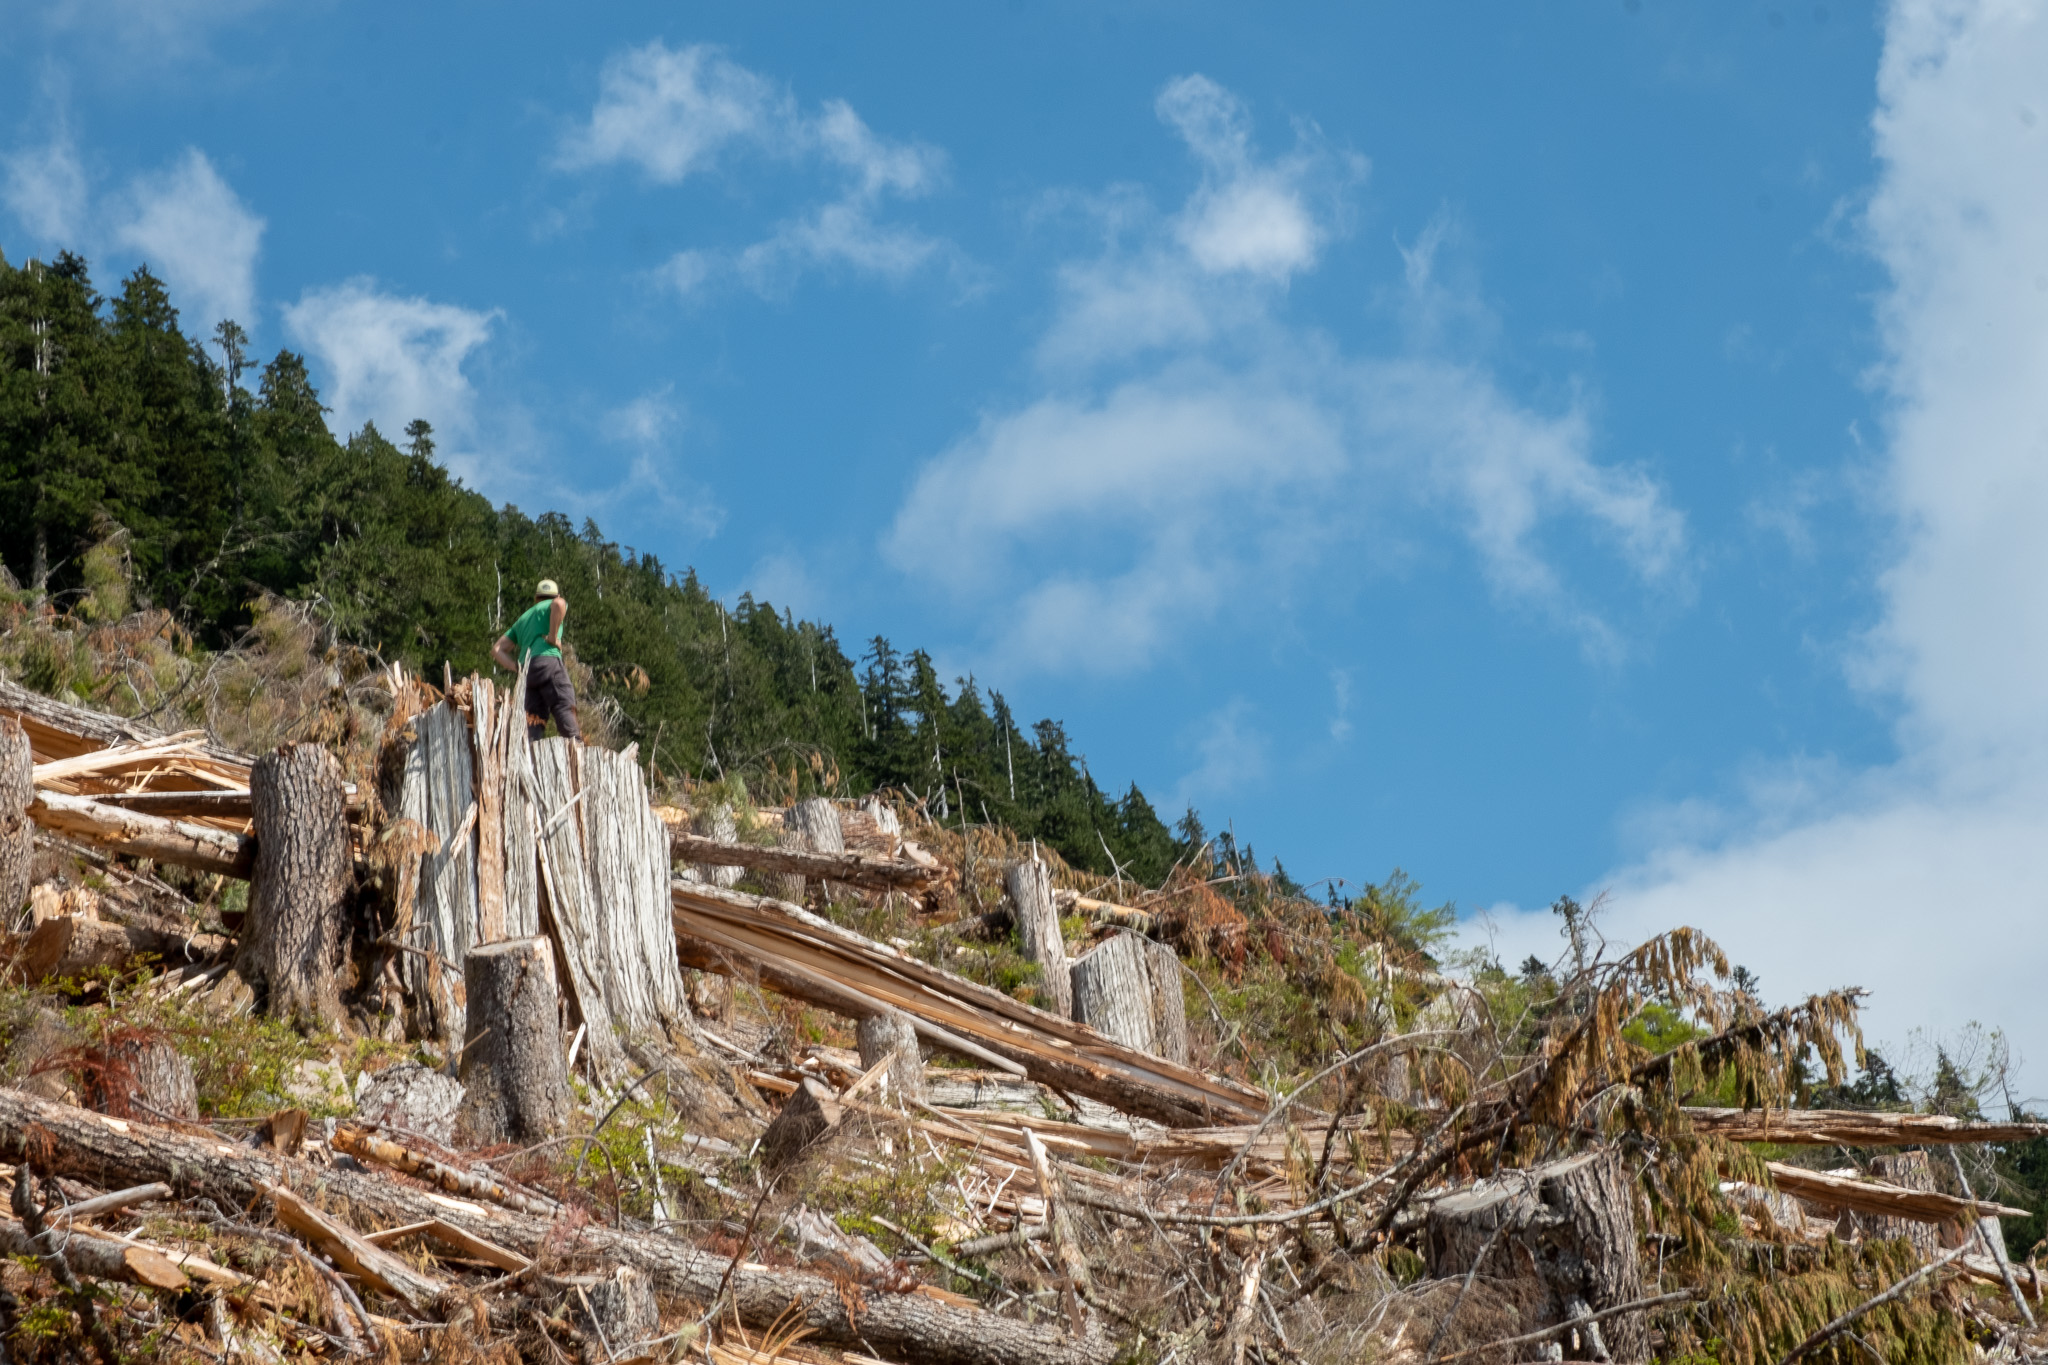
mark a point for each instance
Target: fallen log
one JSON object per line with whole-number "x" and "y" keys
{"x": 184, "y": 805}
{"x": 105, "y": 1151}
{"x": 1144, "y": 921}
{"x": 854, "y": 869}
{"x": 1865, "y": 1196}
{"x": 354, "y": 1253}
{"x": 369, "y": 1147}
{"x": 812, "y": 959}
{"x": 73, "y": 946}
{"x": 199, "y": 847}
{"x": 1851, "y": 1128}
{"x": 101, "y": 1258}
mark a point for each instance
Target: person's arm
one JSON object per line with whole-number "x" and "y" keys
{"x": 556, "y": 613}
{"x": 504, "y": 654}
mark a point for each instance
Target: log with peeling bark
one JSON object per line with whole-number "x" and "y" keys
{"x": 812, "y": 959}
{"x": 1852, "y": 1128}
{"x": 1882, "y": 1200}
{"x": 368, "y": 1146}
{"x": 73, "y": 946}
{"x": 17, "y": 830}
{"x": 854, "y": 869}
{"x": 177, "y": 842}
{"x": 103, "y": 1151}
{"x": 291, "y": 952}
{"x": 1144, "y": 921}
{"x": 101, "y": 1258}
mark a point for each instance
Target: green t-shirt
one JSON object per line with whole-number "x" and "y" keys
{"x": 530, "y": 632}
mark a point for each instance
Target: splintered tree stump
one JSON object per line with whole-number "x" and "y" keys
{"x": 619, "y": 1311}
{"x": 812, "y": 826}
{"x": 17, "y": 831}
{"x": 1113, "y": 991}
{"x": 140, "y": 1075}
{"x": 891, "y": 1035}
{"x": 514, "y": 1086}
{"x": 1038, "y": 921}
{"x": 291, "y": 949}
{"x": 1567, "y": 1227}
{"x": 809, "y": 1118}
{"x": 1169, "y": 1003}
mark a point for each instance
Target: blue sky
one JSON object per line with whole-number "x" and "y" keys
{"x": 1546, "y": 448}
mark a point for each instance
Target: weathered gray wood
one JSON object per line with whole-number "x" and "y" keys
{"x": 487, "y": 721}
{"x": 815, "y": 823}
{"x": 620, "y": 1311}
{"x": 414, "y": 1099}
{"x": 522, "y": 858}
{"x": 141, "y": 1076}
{"x": 892, "y": 1035}
{"x": 570, "y": 912}
{"x": 291, "y": 950}
{"x": 1169, "y": 1002}
{"x": 1568, "y": 1226}
{"x": 514, "y": 1087}
{"x": 17, "y": 831}
{"x": 1113, "y": 991}
{"x": 718, "y": 825}
{"x": 438, "y": 793}
{"x": 809, "y": 1118}
{"x": 1038, "y": 920}
{"x": 140, "y": 835}
{"x": 1910, "y": 1171}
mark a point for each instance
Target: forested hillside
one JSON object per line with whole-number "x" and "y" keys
{"x": 229, "y": 485}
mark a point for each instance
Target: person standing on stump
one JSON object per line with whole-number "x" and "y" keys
{"x": 535, "y": 639}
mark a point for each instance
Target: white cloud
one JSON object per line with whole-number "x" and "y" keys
{"x": 1190, "y": 448}
{"x": 675, "y": 112}
{"x": 194, "y": 232}
{"x": 1926, "y": 880}
{"x": 46, "y": 190}
{"x": 390, "y": 359}
{"x": 1232, "y": 755}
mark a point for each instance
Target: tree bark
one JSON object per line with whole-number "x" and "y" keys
{"x": 199, "y": 847}
{"x": 109, "y": 1152}
{"x": 17, "y": 830}
{"x": 514, "y": 1087}
{"x": 1569, "y": 1225}
{"x": 291, "y": 950}
{"x": 1906, "y": 1171}
{"x": 620, "y": 1311}
{"x": 892, "y": 1035}
{"x": 809, "y": 1118}
{"x": 1169, "y": 1003}
{"x": 141, "y": 1076}
{"x": 816, "y": 820}
{"x": 1113, "y": 991}
{"x": 1038, "y": 920}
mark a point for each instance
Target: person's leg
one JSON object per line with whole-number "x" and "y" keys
{"x": 563, "y": 696}
{"x": 539, "y": 697}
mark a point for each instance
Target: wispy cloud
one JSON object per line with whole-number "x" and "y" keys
{"x": 1919, "y": 878}
{"x": 1190, "y": 448}
{"x": 45, "y": 189}
{"x": 675, "y": 113}
{"x": 187, "y": 224}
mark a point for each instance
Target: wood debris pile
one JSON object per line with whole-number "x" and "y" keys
{"x": 611, "y": 1081}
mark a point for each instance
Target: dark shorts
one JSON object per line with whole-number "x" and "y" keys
{"x": 549, "y": 693}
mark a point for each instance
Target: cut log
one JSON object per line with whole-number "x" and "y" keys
{"x": 812, "y": 959}
{"x": 854, "y": 869}
{"x": 141, "y": 1075}
{"x": 892, "y": 1037}
{"x": 412, "y": 1099}
{"x": 514, "y": 1087}
{"x": 620, "y": 1311}
{"x": 1885, "y": 1200}
{"x": 1113, "y": 991}
{"x": 809, "y": 1118}
{"x": 17, "y": 831}
{"x": 106, "y": 1152}
{"x": 1169, "y": 1003}
{"x": 110, "y": 1203}
{"x": 100, "y": 1258}
{"x": 200, "y": 847}
{"x": 73, "y": 946}
{"x": 1569, "y": 1226}
{"x": 1038, "y": 920}
{"x": 1853, "y": 1128}
{"x": 291, "y": 951}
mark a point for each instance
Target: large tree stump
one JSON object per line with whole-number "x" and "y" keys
{"x": 17, "y": 831}
{"x": 291, "y": 948}
{"x": 1113, "y": 991}
{"x": 1169, "y": 1003}
{"x": 718, "y": 823}
{"x": 1038, "y": 921}
{"x": 620, "y": 1311}
{"x": 891, "y": 1035}
{"x": 812, "y": 826}
{"x": 140, "y": 1075}
{"x": 1569, "y": 1227}
{"x": 514, "y": 1086}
